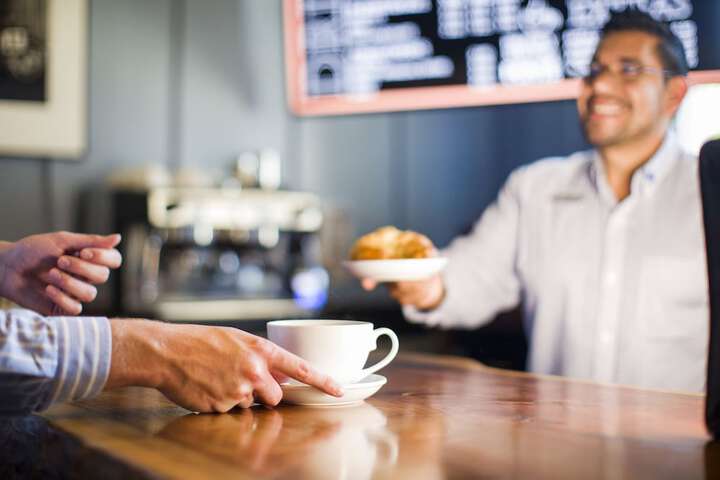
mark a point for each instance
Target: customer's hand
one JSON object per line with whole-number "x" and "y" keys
{"x": 206, "y": 369}
{"x": 55, "y": 273}
{"x": 423, "y": 294}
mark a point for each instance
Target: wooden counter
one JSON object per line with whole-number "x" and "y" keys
{"x": 437, "y": 417}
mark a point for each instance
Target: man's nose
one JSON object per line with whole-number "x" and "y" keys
{"x": 605, "y": 81}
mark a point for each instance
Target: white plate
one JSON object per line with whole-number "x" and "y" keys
{"x": 397, "y": 270}
{"x": 300, "y": 394}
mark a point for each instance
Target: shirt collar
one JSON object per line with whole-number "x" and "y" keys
{"x": 646, "y": 178}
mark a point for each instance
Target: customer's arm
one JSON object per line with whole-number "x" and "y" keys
{"x": 209, "y": 369}
{"x": 50, "y": 359}
{"x": 206, "y": 369}
{"x": 55, "y": 273}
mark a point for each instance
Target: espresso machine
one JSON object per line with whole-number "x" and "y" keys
{"x": 210, "y": 253}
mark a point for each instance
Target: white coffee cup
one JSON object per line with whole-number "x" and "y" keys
{"x": 338, "y": 348}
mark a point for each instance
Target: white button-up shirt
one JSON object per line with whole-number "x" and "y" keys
{"x": 612, "y": 291}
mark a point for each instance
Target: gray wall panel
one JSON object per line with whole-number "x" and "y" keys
{"x": 21, "y": 202}
{"x": 348, "y": 160}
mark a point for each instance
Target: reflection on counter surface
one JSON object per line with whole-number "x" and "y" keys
{"x": 438, "y": 417}
{"x": 350, "y": 442}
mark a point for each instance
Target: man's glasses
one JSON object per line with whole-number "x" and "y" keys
{"x": 626, "y": 71}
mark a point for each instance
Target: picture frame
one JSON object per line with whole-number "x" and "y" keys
{"x": 51, "y": 120}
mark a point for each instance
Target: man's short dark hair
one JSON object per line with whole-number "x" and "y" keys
{"x": 670, "y": 49}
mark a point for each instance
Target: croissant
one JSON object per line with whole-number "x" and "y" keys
{"x": 389, "y": 242}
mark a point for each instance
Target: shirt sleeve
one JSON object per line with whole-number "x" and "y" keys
{"x": 481, "y": 278}
{"x": 44, "y": 360}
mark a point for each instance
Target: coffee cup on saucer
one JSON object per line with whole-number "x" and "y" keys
{"x": 338, "y": 348}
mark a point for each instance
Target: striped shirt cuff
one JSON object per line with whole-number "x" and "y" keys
{"x": 84, "y": 350}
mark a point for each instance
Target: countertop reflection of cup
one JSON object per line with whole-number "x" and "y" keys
{"x": 298, "y": 443}
{"x": 361, "y": 447}
{"x": 338, "y": 348}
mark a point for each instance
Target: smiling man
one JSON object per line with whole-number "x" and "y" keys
{"x": 604, "y": 249}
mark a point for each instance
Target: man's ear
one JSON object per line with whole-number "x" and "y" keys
{"x": 675, "y": 91}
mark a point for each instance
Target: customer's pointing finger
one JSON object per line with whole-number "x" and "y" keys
{"x": 297, "y": 368}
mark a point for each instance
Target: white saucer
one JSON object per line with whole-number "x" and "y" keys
{"x": 299, "y": 394}
{"x": 396, "y": 270}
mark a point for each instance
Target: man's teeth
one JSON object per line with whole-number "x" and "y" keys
{"x": 606, "y": 109}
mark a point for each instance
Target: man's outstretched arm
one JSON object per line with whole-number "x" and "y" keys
{"x": 207, "y": 369}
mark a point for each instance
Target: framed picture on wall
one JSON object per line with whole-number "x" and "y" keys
{"x": 43, "y": 78}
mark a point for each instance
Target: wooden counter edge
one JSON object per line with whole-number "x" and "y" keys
{"x": 466, "y": 363}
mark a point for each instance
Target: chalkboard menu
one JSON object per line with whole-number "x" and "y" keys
{"x": 351, "y": 56}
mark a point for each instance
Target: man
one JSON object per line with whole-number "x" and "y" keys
{"x": 51, "y": 359}
{"x": 604, "y": 249}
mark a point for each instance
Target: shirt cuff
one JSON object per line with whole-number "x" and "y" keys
{"x": 432, "y": 318}
{"x": 84, "y": 350}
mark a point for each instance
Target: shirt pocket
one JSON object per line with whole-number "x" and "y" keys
{"x": 673, "y": 297}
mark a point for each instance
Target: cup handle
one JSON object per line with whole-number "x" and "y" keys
{"x": 389, "y": 444}
{"x": 389, "y": 357}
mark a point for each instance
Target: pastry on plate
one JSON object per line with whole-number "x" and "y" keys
{"x": 391, "y": 243}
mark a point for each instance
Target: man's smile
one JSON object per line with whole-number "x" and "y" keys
{"x": 606, "y": 107}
